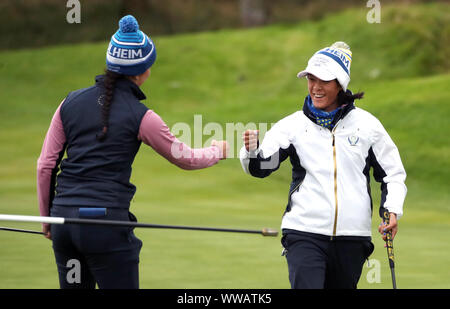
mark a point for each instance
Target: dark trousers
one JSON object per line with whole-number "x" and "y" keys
{"x": 317, "y": 262}
{"x": 87, "y": 255}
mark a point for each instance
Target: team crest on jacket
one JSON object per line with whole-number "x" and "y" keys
{"x": 353, "y": 140}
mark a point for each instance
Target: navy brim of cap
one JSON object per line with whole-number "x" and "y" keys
{"x": 319, "y": 72}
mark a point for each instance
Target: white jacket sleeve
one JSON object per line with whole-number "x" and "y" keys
{"x": 389, "y": 170}
{"x": 268, "y": 157}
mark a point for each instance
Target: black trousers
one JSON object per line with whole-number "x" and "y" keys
{"x": 87, "y": 255}
{"x": 317, "y": 262}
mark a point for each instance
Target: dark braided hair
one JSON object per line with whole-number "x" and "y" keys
{"x": 107, "y": 98}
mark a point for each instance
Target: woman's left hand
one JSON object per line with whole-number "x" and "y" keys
{"x": 384, "y": 228}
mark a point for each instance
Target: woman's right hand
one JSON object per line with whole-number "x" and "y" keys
{"x": 223, "y": 148}
{"x": 46, "y": 231}
{"x": 250, "y": 138}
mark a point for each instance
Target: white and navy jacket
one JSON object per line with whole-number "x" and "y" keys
{"x": 330, "y": 190}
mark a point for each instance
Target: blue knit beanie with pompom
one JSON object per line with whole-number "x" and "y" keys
{"x": 131, "y": 51}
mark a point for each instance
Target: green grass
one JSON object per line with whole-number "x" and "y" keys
{"x": 242, "y": 76}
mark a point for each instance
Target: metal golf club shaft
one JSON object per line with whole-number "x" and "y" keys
{"x": 264, "y": 232}
{"x": 59, "y": 220}
{"x": 20, "y": 230}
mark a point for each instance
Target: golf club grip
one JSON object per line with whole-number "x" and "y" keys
{"x": 269, "y": 232}
{"x": 390, "y": 249}
{"x": 389, "y": 241}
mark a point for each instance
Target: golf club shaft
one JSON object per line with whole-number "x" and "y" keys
{"x": 394, "y": 283}
{"x": 60, "y": 220}
{"x": 20, "y": 230}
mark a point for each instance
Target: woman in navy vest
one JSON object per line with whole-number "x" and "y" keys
{"x": 101, "y": 128}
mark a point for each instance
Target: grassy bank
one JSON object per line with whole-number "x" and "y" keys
{"x": 242, "y": 76}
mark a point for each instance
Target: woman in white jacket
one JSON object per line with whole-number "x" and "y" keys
{"x": 332, "y": 145}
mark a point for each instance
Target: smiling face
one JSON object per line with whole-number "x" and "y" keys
{"x": 323, "y": 93}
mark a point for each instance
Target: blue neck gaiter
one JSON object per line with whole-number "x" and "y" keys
{"x": 324, "y": 119}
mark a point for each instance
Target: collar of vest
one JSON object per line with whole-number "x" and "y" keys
{"x": 124, "y": 84}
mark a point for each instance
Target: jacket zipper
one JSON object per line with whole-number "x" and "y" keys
{"x": 335, "y": 182}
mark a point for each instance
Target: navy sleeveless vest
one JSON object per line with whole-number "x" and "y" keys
{"x": 97, "y": 174}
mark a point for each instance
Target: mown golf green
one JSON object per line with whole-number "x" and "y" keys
{"x": 243, "y": 76}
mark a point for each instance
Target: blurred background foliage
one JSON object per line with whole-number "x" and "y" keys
{"x": 36, "y": 23}
{"x": 230, "y": 75}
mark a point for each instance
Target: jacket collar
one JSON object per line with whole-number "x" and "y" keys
{"x": 124, "y": 84}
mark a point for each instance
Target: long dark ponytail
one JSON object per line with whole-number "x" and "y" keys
{"x": 345, "y": 97}
{"x": 106, "y": 101}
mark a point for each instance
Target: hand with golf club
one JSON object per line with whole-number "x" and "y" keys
{"x": 388, "y": 226}
{"x": 251, "y": 141}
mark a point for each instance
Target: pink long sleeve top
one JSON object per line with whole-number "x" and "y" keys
{"x": 152, "y": 131}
